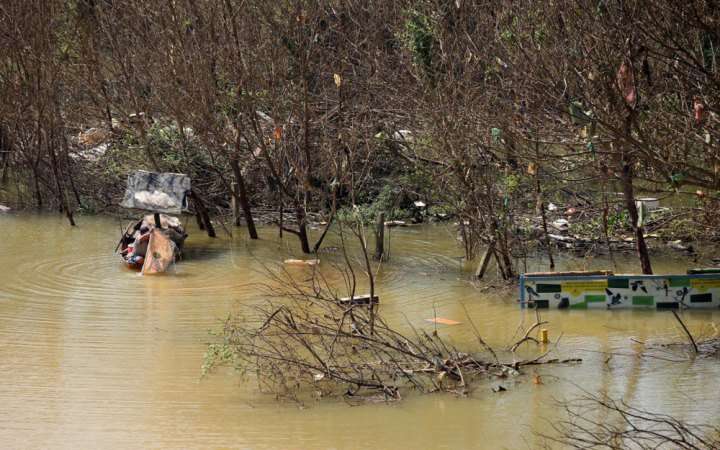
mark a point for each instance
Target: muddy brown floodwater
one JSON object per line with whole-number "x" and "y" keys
{"x": 94, "y": 356}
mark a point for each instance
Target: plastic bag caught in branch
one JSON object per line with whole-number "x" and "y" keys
{"x": 626, "y": 83}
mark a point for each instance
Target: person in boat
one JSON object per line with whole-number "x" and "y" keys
{"x": 134, "y": 243}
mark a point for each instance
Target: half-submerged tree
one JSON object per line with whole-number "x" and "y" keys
{"x": 600, "y": 422}
{"x": 305, "y": 339}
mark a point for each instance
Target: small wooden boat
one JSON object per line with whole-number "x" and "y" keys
{"x": 147, "y": 247}
{"x": 697, "y": 289}
{"x": 160, "y": 253}
{"x": 155, "y": 241}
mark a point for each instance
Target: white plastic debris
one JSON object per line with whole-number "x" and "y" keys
{"x": 403, "y": 135}
{"x": 651, "y": 203}
{"x": 91, "y": 154}
{"x": 560, "y": 238}
{"x": 161, "y": 199}
{"x": 561, "y": 224}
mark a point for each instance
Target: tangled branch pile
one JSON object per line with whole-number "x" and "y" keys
{"x": 311, "y": 341}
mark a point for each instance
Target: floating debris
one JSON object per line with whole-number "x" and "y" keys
{"x": 302, "y": 262}
{"x": 443, "y": 320}
{"x": 678, "y": 245}
{"x": 561, "y": 224}
{"x": 360, "y": 300}
{"x": 395, "y": 223}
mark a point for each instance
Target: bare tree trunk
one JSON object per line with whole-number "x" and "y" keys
{"x": 282, "y": 214}
{"x": 108, "y": 114}
{"x": 541, "y": 205}
{"x": 68, "y": 168}
{"x": 502, "y": 252}
{"x": 241, "y": 197}
{"x": 5, "y": 149}
{"x": 62, "y": 200}
{"x": 485, "y": 261}
{"x": 380, "y": 236}
{"x": 302, "y": 228}
{"x": 199, "y": 220}
{"x": 234, "y": 204}
{"x": 333, "y": 210}
{"x": 36, "y": 181}
{"x": 629, "y": 194}
{"x": 626, "y": 178}
{"x": 4, "y": 176}
{"x": 301, "y": 232}
{"x": 203, "y": 214}
{"x": 465, "y": 239}
{"x": 500, "y": 264}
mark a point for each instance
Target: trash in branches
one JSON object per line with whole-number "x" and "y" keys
{"x": 443, "y": 321}
{"x": 626, "y": 83}
{"x": 699, "y": 110}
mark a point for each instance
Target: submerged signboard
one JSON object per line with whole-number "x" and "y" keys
{"x": 695, "y": 290}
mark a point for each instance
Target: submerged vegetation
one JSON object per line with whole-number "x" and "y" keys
{"x": 306, "y": 341}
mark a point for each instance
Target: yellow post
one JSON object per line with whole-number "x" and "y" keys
{"x": 543, "y": 335}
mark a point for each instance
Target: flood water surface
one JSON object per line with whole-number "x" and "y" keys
{"x": 94, "y": 356}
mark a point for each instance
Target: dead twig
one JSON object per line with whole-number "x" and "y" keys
{"x": 527, "y": 336}
{"x": 687, "y": 332}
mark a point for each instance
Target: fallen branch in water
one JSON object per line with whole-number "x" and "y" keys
{"x": 527, "y": 336}
{"x": 687, "y": 332}
{"x": 704, "y": 344}
{"x": 305, "y": 340}
{"x": 324, "y": 345}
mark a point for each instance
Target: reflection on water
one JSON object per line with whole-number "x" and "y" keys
{"x": 93, "y": 355}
